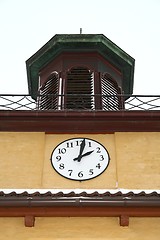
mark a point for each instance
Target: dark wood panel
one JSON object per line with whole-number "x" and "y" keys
{"x": 80, "y": 122}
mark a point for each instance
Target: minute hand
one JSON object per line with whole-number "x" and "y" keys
{"x": 84, "y": 155}
{"x": 82, "y": 146}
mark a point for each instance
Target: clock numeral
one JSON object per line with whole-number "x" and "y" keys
{"x": 78, "y": 143}
{"x": 62, "y": 150}
{"x": 80, "y": 174}
{"x": 98, "y": 166}
{"x": 69, "y": 144}
{"x": 91, "y": 172}
{"x": 70, "y": 172}
{"x": 98, "y": 150}
{"x": 61, "y": 166}
{"x": 101, "y": 158}
{"x": 58, "y": 158}
{"x": 89, "y": 144}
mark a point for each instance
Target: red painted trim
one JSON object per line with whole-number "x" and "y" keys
{"x": 70, "y": 57}
{"x": 59, "y": 63}
{"x": 80, "y": 122}
{"x": 124, "y": 220}
{"x": 29, "y": 221}
{"x": 29, "y": 213}
{"x": 79, "y": 211}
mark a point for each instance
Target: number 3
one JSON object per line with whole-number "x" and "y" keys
{"x": 101, "y": 158}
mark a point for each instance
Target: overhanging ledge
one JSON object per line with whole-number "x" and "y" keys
{"x": 119, "y": 205}
{"x": 29, "y": 213}
{"x": 80, "y": 121}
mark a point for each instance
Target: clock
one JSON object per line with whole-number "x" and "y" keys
{"x": 80, "y": 159}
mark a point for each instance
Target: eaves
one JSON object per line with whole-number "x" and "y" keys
{"x": 83, "y": 204}
{"x": 80, "y": 121}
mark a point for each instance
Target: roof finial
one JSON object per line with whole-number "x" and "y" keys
{"x": 80, "y": 30}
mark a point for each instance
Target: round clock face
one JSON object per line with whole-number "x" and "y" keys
{"x": 80, "y": 159}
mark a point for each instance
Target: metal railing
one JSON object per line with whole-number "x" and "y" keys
{"x": 17, "y": 102}
{"x": 132, "y": 102}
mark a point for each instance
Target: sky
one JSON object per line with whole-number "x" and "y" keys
{"x": 26, "y": 25}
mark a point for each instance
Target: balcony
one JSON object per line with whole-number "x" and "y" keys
{"x": 104, "y": 114}
{"x": 132, "y": 103}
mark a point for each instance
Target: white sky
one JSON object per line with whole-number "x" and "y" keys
{"x": 26, "y": 25}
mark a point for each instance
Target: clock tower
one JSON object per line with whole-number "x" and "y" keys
{"x": 79, "y": 79}
{"x": 79, "y": 163}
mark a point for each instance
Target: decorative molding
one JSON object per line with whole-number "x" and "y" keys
{"x": 29, "y": 213}
{"x": 124, "y": 220}
{"x": 29, "y": 221}
{"x": 59, "y": 204}
{"x": 80, "y": 122}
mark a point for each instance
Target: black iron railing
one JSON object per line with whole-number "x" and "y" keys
{"x": 132, "y": 102}
{"x": 17, "y": 102}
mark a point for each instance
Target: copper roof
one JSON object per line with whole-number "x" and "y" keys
{"x": 80, "y": 43}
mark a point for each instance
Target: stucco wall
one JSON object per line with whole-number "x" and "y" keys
{"x": 138, "y": 160}
{"x": 80, "y": 229}
{"x": 21, "y": 159}
{"x": 25, "y": 161}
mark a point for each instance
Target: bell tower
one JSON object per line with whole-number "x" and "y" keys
{"x": 79, "y": 81}
{"x": 80, "y": 72}
{"x": 79, "y": 158}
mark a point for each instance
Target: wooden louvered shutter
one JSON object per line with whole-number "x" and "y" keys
{"x": 111, "y": 99}
{"x": 79, "y": 89}
{"x": 49, "y": 93}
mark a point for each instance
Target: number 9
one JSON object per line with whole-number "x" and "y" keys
{"x": 58, "y": 158}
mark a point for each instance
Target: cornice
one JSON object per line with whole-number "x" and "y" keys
{"x": 80, "y": 121}
{"x": 83, "y": 204}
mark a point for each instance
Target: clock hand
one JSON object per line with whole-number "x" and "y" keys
{"x": 87, "y": 153}
{"x": 80, "y": 151}
{"x": 84, "y": 155}
{"x": 82, "y": 147}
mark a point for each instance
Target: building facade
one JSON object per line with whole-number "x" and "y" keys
{"x": 81, "y": 165}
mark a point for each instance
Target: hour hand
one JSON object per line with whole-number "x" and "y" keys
{"x": 84, "y": 155}
{"x": 87, "y": 153}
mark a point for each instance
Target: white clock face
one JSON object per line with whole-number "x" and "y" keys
{"x": 80, "y": 159}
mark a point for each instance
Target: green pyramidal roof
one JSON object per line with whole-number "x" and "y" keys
{"x": 80, "y": 43}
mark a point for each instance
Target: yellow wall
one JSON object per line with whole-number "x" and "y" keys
{"x": 80, "y": 229}
{"x": 21, "y": 159}
{"x": 138, "y": 160}
{"x": 25, "y": 161}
